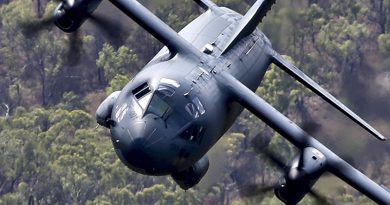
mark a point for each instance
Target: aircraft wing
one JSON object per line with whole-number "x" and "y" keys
{"x": 313, "y": 86}
{"x": 301, "y": 139}
{"x": 157, "y": 28}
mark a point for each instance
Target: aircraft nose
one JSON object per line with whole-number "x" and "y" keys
{"x": 135, "y": 144}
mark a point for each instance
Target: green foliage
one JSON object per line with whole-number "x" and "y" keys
{"x": 178, "y": 15}
{"x": 279, "y": 89}
{"x": 51, "y": 152}
{"x": 115, "y": 62}
{"x": 340, "y": 37}
{"x": 233, "y": 4}
{"x": 71, "y": 101}
{"x": 384, "y": 43}
{"x": 117, "y": 83}
{"x": 33, "y": 58}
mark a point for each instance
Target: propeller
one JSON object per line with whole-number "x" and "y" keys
{"x": 33, "y": 27}
{"x": 68, "y": 16}
{"x": 320, "y": 199}
{"x": 74, "y": 51}
{"x": 275, "y": 160}
{"x": 110, "y": 29}
{"x": 252, "y": 190}
{"x": 75, "y": 48}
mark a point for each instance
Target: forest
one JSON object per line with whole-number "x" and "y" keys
{"x": 53, "y": 152}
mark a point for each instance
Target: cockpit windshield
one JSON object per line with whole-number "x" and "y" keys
{"x": 166, "y": 90}
{"x": 158, "y": 106}
{"x": 156, "y": 102}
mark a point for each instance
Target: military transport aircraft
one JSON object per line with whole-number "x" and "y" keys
{"x": 165, "y": 120}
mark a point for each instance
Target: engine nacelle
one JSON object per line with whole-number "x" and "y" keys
{"x": 305, "y": 170}
{"x": 71, "y": 14}
{"x": 103, "y": 113}
{"x": 192, "y": 175}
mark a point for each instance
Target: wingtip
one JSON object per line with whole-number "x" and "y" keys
{"x": 313, "y": 86}
{"x": 380, "y": 136}
{"x": 377, "y": 134}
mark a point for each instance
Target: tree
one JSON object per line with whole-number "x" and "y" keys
{"x": 55, "y": 154}
{"x": 119, "y": 62}
{"x": 384, "y": 43}
{"x": 39, "y": 54}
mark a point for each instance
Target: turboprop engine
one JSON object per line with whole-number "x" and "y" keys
{"x": 71, "y": 14}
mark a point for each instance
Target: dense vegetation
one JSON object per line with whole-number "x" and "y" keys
{"x": 51, "y": 151}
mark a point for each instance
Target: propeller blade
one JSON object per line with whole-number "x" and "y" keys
{"x": 75, "y": 48}
{"x": 251, "y": 190}
{"x": 311, "y": 127}
{"x": 33, "y": 27}
{"x": 276, "y": 160}
{"x": 321, "y": 199}
{"x": 110, "y": 28}
{"x": 73, "y": 55}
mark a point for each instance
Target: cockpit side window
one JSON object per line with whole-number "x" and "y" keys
{"x": 199, "y": 105}
{"x": 192, "y": 110}
{"x": 195, "y": 108}
{"x": 143, "y": 94}
{"x": 141, "y": 90}
{"x": 193, "y": 133}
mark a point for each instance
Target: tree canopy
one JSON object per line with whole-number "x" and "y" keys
{"x": 53, "y": 153}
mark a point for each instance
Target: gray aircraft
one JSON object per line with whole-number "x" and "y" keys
{"x": 165, "y": 120}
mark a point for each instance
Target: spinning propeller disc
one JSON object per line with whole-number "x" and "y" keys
{"x": 68, "y": 16}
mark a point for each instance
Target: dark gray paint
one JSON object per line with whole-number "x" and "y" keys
{"x": 172, "y": 134}
{"x": 301, "y": 139}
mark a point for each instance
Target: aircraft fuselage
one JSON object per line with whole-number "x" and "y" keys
{"x": 173, "y": 111}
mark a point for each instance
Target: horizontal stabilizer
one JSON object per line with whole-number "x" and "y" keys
{"x": 313, "y": 86}
{"x": 249, "y": 22}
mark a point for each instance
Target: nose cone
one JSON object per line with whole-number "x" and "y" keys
{"x": 138, "y": 145}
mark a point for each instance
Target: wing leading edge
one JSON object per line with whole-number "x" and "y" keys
{"x": 301, "y": 139}
{"x": 156, "y": 27}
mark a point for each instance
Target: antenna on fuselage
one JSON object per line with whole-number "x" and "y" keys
{"x": 156, "y": 27}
